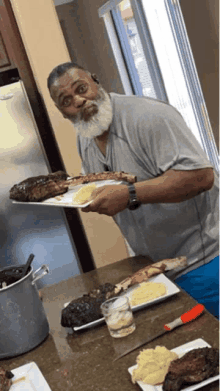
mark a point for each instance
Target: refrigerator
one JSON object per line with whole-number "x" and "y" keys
{"x": 26, "y": 229}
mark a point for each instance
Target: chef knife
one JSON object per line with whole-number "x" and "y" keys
{"x": 184, "y": 318}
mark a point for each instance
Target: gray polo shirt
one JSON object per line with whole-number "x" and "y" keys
{"x": 148, "y": 137}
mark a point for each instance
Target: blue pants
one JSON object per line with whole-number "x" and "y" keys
{"x": 203, "y": 285}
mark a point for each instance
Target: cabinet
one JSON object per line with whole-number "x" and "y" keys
{"x": 8, "y": 71}
{"x": 6, "y": 63}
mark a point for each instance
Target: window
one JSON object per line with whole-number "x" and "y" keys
{"x": 144, "y": 79}
{"x": 154, "y": 59}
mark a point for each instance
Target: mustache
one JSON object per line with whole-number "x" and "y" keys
{"x": 97, "y": 123}
{"x": 88, "y": 111}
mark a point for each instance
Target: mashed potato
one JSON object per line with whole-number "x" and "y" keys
{"x": 84, "y": 194}
{"x": 147, "y": 291}
{"x": 153, "y": 365}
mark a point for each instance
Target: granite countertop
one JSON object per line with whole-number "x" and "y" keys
{"x": 84, "y": 360}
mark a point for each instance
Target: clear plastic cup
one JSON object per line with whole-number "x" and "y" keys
{"x": 118, "y": 316}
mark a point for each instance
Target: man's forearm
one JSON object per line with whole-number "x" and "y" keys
{"x": 172, "y": 186}
{"x": 175, "y": 186}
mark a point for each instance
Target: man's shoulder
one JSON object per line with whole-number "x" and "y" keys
{"x": 131, "y": 106}
{"x": 121, "y": 98}
{"x": 142, "y": 105}
{"x": 137, "y": 100}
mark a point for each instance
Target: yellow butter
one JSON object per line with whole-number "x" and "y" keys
{"x": 84, "y": 194}
{"x": 147, "y": 291}
{"x": 152, "y": 365}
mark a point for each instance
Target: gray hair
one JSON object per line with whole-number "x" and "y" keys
{"x": 60, "y": 70}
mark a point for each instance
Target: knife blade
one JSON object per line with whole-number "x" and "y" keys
{"x": 188, "y": 316}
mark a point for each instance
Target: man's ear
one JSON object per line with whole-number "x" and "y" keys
{"x": 95, "y": 78}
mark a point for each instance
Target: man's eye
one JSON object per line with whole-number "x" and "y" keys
{"x": 66, "y": 102}
{"x": 82, "y": 89}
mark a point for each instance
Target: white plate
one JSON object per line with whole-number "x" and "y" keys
{"x": 65, "y": 200}
{"x": 33, "y": 379}
{"x": 171, "y": 289}
{"x": 181, "y": 350}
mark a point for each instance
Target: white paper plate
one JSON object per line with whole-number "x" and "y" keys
{"x": 65, "y": 200}
{"x": 33, "y": 379}
{"x": 181, "y": 350}
{"x": 171, "y": 289}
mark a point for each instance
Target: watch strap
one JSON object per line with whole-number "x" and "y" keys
{"x": 133, "y": 202}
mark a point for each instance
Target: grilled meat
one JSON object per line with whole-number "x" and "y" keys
{"x": 5, "y": 379}
{"x": 152, "y": 270}
{"x": 86, "y": 309}
{"x": 194, "y": 367}
{"x": 39, "y": 188}
{"x": 103, "y": 176}
{"x": 42, "y": 187}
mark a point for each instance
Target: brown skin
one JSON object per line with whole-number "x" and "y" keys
{"x": 75, "y": 93}
{"x": 171, "y": 187}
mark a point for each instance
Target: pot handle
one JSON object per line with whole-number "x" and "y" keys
{"x": 45, "y": 269}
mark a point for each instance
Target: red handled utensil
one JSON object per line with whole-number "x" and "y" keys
{"x": 184, "y": 318}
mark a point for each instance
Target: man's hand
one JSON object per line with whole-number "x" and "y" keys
{"x": 109, "y": 200}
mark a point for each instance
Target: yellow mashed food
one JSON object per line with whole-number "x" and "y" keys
{"x": 152, "y": 365}
{"x": 147, "y": 291}
{"x": 84, "y": 194}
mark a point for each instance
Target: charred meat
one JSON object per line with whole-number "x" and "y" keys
{"x": 103, "y": 176}
{"x": 42, "y": 187}
{"x": 86, "y": 309}
{"x": 5, "y": 379}
{"x": 194, "y": 367}
{"x": 152, "y": 270}
{"x": 39, "y": 188}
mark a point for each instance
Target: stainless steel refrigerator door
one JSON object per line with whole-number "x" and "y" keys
{"x": 28, "y": 229}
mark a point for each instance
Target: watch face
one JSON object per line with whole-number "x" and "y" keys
{"x": 134, "y": 205}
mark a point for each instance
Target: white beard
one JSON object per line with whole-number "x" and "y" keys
{"x": 99, "y": 122}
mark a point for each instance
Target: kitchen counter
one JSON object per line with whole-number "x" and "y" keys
{"x": 84, "y": 360}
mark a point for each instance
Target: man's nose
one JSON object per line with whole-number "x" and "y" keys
{"x": 79, "y": 101}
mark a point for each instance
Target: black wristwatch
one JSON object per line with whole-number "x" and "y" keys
{"x": 133, "y": 202}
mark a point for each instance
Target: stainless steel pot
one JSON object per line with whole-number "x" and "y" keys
{"x": 23, "y": 322}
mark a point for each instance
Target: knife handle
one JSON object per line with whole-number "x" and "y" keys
{"x": 186, "y": 317}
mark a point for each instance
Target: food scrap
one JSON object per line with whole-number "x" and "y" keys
{"x": 152, "y": 365}
{"x": 59, "y": 198}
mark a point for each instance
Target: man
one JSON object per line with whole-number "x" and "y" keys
{"x": 172, "y": 210}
